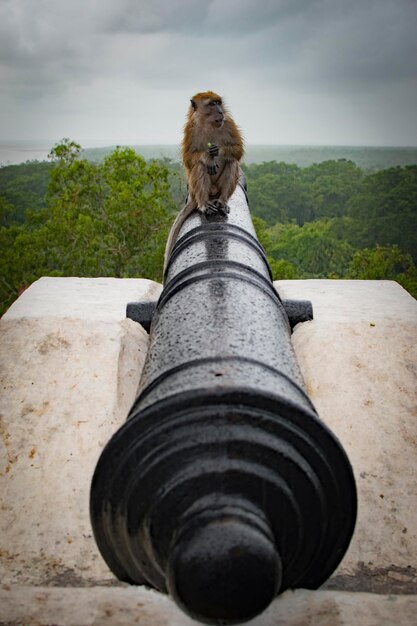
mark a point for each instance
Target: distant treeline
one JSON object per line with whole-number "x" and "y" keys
{"x": 333, "y": 220}
{"x": 110, "y": 216}
{"x": 369, "y": 158}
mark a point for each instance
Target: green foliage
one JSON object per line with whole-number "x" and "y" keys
{"x": 107, "y": 219}
{"x": 366, "y": 157}
{"x": 322, "y": 219}
{"x": 22, "y": 187}
{"x": 384, "y": 211}
{"x": 332, "y": 184}
{"x": 285, "y": 193}
{"x": 281, "y": 269}
{"x": 177, "y": 182}
{"x": 6, "y": 212}
{"x": 312, "y": 249}
{"x": 385, "y": 262}
{"x": 111, "y": 217}
{"x": 277, "y": 192}
{"x": 380, "y": 262}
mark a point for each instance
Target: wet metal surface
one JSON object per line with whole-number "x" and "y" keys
{"x": 298, "y": 311}
{"x": 223, "y": 487}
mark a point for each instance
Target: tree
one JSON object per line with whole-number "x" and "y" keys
{"x": 385, "y": 262}
{"x": 6, "y": 212}
{"x": 22, "y": 187}
{"x": 281, "y": 269}
{"x": 281, "y": 192}
{"x": 312, "y": 249}
{"x": 331, "y": 184}
{"x": 104, "y": 219}
{"x": 384, "y": 211}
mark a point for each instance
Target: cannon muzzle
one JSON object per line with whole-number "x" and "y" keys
{"x": 223, "y": 487}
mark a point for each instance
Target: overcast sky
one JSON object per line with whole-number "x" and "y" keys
{"x": 292, "y": 71}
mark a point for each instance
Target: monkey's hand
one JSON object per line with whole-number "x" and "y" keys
{"x": 217, "y": 206}
{"x": 212, "y": 168}
{"x": 213, "y": 149}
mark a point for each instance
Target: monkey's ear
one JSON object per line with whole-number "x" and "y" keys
{"x": 193, "y": 104}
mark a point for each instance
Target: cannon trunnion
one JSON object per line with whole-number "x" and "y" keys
{"x": 223, "y": 487}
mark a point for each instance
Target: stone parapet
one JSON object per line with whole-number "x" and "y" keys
{"x": 70, "y": 365}
{"x": 359, "y": 361}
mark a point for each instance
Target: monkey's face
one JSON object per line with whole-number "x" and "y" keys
{"x": 211, "y": 111}
{"x": 214, "y": 110}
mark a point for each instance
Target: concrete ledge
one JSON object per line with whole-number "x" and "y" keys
{"x": 69, "y": 369}
{"x": 359, "y": 361}
{"x": 99, "y": 606}
{"x": 70, "y": 365}
{"x": 95, "y": 299}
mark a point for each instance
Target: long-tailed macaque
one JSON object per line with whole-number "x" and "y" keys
{"x": 211, "y": 150}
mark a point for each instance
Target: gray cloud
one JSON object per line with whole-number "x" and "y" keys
{"x": 181, "y": 16}
{"x": 205, "y": 18}
{"x": 313, "y": 71}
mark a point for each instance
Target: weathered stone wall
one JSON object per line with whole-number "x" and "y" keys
{"x": 359, "y": 362}
{"x": 70, "y": 364}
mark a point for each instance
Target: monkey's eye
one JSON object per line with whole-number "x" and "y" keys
{"x": 212, "y": 103}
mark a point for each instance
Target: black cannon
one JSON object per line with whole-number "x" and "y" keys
{"x": 223, "y": 487}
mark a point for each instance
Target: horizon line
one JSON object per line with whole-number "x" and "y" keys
{"x": 99, "y": 144}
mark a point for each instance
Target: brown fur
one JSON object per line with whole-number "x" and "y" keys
{"x": 208, "y": 122}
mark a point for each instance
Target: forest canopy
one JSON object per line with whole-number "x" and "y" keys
{"x": 74, "y": 217}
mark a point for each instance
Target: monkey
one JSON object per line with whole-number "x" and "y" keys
{"x": 212, "y": 147}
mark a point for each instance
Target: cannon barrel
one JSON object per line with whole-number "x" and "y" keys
{"x": 223, "y": 487}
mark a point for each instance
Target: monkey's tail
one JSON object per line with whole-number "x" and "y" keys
{"x": 175, "y": 229}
